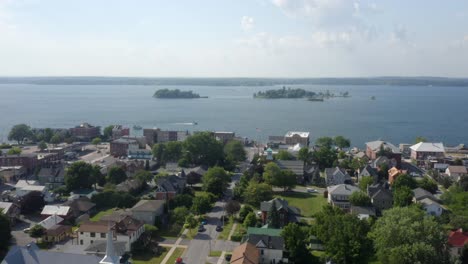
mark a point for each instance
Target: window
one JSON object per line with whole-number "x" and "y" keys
{"x": 103, "y": 235}
{"x": 81, "y": 242}
{"x": 81, "y": 233}
{"x": 261, "y": 252}
{"x": 92, "y": 241}
{"x": 93, "y": 234}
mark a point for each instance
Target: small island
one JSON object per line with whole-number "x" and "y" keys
{"x": 176, "y": 94}
{"x": 285, "y": 93}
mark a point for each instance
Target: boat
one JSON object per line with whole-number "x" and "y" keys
{"x": 136, "y": 127}
{"x": 372, "y": 98}
{"x": 315, "y": 99}
{"x": 195, "y": 123}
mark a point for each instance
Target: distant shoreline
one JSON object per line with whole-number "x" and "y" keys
{"x": 393, "y": 81}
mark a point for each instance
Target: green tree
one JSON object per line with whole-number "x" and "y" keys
{"x": 405, "y": 180}
{"x": 179, "y": 214}
{"x": 190, "y": 221}
{"x": 107, "y": 133}
{"x": 232, "y": 207}
{"x": 324, "y": 142}
{"x": 359, "y": 199}
{"x": 181, "y": 200}
{"x": 407, "y": 235}
{"x": 143, "y": 176}
{"x": 55, "y": 139}
{"x": 19, "y": 133}
{"x": 5, "y": 232}
{"x": 428, "y": 185}
{"x": 48, "y": 134}
{"x": 402, "y": 196}
{"x": 81, "y": 175}
{"x": 272, "y": 171}
{"x": 463, "y": 183}
{"x": 201, "y": 204}
{"x": 234, "y": 150}
{"x": 244, "y": 211}
{"x": 216, "y": 180}
{"x": 14, "y": 151}
{"x": 37, "y": 231}
{"x": 256, "y": 193}
{"x": 364, "y": 182}
{"x": 250, "y": 220}
{"x": 342, "y": 142}
{"x": 344, "y": 236}
{"x": 284, "y": 155}
{"x": 173, "y": 151}
{"x": 305, "y": 155}
{"x": 295, "y": 241}
{"x": 203, "y": 149}
{"x": 158, "y": 152}
{"x": 42, "y": 145}
{"x": 285, "y": 179}
{"x": 96, "y": 141}
{"x": 273, "y": 218}
{"x": 420, "y": 139}
{"x": 116, "y": 175}
{"x": 325, "y": 157}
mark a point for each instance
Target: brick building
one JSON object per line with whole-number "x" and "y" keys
{"x": 85, "y": 132}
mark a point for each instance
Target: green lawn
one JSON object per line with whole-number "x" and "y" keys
{"x": 177, "y": 253}
{"x": 150, "y": 259}
{"x": 226, "y": 229}
{"x": 98, "y": 216}
{"x": 215, "y": 253}
{"x": 308, "y": 203}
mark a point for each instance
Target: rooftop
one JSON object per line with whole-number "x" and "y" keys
{"x": 246, "y": 253}
{"x": 301, "y": 134}
{"x": 458, "y": 238}
{"x": 376, "y": 145}
{"x": 457, "y": 169}
{"x": 50, "y": 221}
{"x": 55, "y": 210}
{"x": 148, "y": 205}
{"x": 342, "y": 189}
{"x": 428, "y": 147}
{"x": 264, "y": 231}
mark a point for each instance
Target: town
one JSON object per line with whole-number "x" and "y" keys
{"x": 91, "y": 195}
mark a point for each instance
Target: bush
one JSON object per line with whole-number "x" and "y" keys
{"x": 109, "y": 199}
{"x": 236, "y": 237}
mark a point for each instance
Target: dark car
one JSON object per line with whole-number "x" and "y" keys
{"x": 201, "y": 228}
{"x": 219, "y": 228}
{"x": 203, "y": 222}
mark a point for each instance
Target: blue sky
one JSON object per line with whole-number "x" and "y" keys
{"x": 234, "y": 38}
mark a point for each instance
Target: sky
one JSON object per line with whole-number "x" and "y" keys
{"x": 234, "y": 38}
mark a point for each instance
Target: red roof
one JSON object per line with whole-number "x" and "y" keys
{"x": 458, "y": 238}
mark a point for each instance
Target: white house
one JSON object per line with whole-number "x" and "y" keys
{"x": 455, "y": 172}
{"x": 270, "y": 247}
{"x": 432, "y": 207}
{"x": 338, "y": 195}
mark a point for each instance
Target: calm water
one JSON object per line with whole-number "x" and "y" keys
{"x": 399, "y": 113}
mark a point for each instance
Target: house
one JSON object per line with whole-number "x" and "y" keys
{"x": 246, "y": 253}
{"x": 338, "y": 195}
{"x": 80, "y": 206}
{"x": 335, "y": 176}
{"x": 286, "y": 213}
{"x": 296, "y": 166}
{"x": 431, "y": 207}
{"x": 24, "y": 187}
{"x": 420, "y": 194}
{"x": 55, "y": 231}
{"x": 11, "y": 174}
{"x": 59, "y": 210}
{"x": 294, "y": 137}
{"x": 120, "y": 147}
{"x": 129, "y": 185}
{"x": 85, "y": 132}
{"x": 426, "y": 150}
{"x": 224, "y": 137}
{"x": 381, "y": 196}
{"x": 193, "y": 175}
{"x": 270, "y": 247}
{"x": 457, "y": 241}
{"x": 51, "y": 221}
{"x": 368, "y": 171}
{"x": 393, "y": 173}
{"x": 169, "y": 186}
{"x": 378, "y": 162}
{"x": 52, "y": 175}
{"x": 126, "y": 229}
{"x": 148, "y": 211}
{"x": 363, "y": 212}
{"x": 375, "y": 149}
{"x": 11, "y": 210}
{"x": 441, "y": 167}
{"x": 455, "y": 172}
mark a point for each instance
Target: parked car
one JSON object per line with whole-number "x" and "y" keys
{"x": 179, "y": 261}
{"x": 310, "y": 190}
{"x": 201, "y": 228}
{"x": 219, "y": 228}
{"x": 203, "y": 222}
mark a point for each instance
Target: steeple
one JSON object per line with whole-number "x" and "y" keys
{"x": 110, "y": 257}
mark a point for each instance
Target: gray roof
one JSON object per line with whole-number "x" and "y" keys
{"x": 368, "y": 171}
{"x": 270, "y": 242}
{"x": 420, "y": 193}
{"x": 31, "y": 254}
{"x": 99, "y": 246}
{"x": 379, "y": 161}
{"x": 198, "y": 170}
{"x": 366, "y": 210}
{"x": 336, "y": 176}
{"x": 52, "y": 171}
{"x": 342, "y": 189}
{"x": 279, "y": 203}
{"x": 170, "y": 183}
{"x": 376, "y": 145}
{"x": 383, "y": 194}
{"x": 296, "y": 166}
{"x": 148, "y": 205}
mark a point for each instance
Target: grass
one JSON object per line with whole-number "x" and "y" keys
{"x": 169, "y": 232}
{"x": 226, "y": 229}
{"x": 308, "y": 203}
{"x": 149, "y": 258}
{"x": 176, "y": 254}
{"x": 215, "y": 253}
{"x": 98, "y": 216}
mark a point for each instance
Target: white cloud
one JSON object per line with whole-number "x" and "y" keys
{"x": 332, "y": 39}
{"x": 247, "y": 23}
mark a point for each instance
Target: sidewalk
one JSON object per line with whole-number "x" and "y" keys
{"x": 174, "y": 246}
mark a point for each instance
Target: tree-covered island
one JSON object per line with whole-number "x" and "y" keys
{"x": 176, "y": 94}
{"x": 297, "y": 93}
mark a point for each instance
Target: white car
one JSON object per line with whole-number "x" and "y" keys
{"x": 310, "y": 190}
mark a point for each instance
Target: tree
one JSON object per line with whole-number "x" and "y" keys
{"x": 234, "y": 150}
{"x": 295, "y": 241}
{"x": 14, "y": 151}
{"x": 143, "y": 176}
{"x": 201, "y": 204}
{"x": 463, "y": 183}
{"x": 190, "y": 221}
{"x": 19, "y": 133}
{"x": 342, "y": 142}
{"x": 284, "y": 155}
{"x": 359, "y": 199}
{"x": 56, "y": 139}
{"x": 109, "y": 199}
{"x": 179, "y": 214}
{"x": 420, "y": 139}
{"x": 107, "y": 133}
{"x": 37, "y": 231}
{"x": 305, "y": 155}
{"x": 272, "y": 171}
{"x": 402, "y": 196}
{"x": 216, "y": 180}
{"x": 250, "y": 220}
{"x": 96, "y": 141}
{"x": 273, "y": 218}
{"x": 325, "y": 157}
{"x": 116, "y": 175}
{"x": 364, "y": 182}
{"x": 428, "y": 185}
{"x": 42, "y": 145}
{"x": 324, "y": 142}
{"x": 407, "y": 235}
{"x": 158, "y": 152}
{"x": 344, "y": 236}
{"x": 203, "y": 149}
{"x": 5, "y": 231}
{"x": 383, "y": 172}
{"x": 32, "y": 202}
{"x": 404, "y": 180}
{"x": 181, "y": 200}
{"x": 81, "y": 175}
{"x": 232, "y": 207}
{"x": 256, "y": 193}
{"x": 244, "y": 211}
{"x": 173, "y": 151}
{"x": 48, "y": 134}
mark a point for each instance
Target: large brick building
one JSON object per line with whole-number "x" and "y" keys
{"x": 85, "y": 132}
{"x": 28, "y": 161}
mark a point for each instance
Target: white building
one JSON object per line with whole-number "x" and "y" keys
{"x": 432, "y": 207}
{"x": 455, "y": 172}
{"x": 338, "y": 195}
{"x": 295, "y": 137}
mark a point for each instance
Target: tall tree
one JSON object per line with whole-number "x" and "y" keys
{"x": 14, "y": 151}
{"x": 5, "y": 232}
{"x": 405, "y": 180}
{"x": 273, "y": 219}
{"x": 42, "y": 145}
{"x": 81, "y": 175}
{"x": 250, "y": 220}
{"x": 325, "y": 157}
{"x": 295, "y": 241}
{"x": 107, "y": 133}
{"x": 359, "y": 199}
{"x": 173, "y": 151}
{"x": 201, "y": 204}
{"x": 96, "y": 141}
{"x": 203, "y": 149}
{"x": 19, "y": 133}
{"x": 420, "y": 139}
{"x": 407, "y": 235}
{"x": 234, "y": 150}
{"x": 158, "y": 152}
{"x": 56, "y": 139}
{"x": 48, "y": 134}
{"x": 216, "y": 180}
{"x": 272, "y": 171}
{"x": 342, "y": 142}
{"x": 284, "y": 155}
{"x": 324, "y": 142}
{"x": 305, "y": 155}
{"x": 232, "y": 207}
{"x": 402, "y": 196}
{"x": 116, "y": 175}
{"x": 364, "y": 182}
{"x": 256, "y": 193}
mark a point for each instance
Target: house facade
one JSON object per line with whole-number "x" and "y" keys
{"x": 374, "y": 150}
{"x": 335, "y": 176}
{"x": 425, "y": 150}
{"x": 287, "y": 214}
{"x": 11, "y": 210}
{"x": 457, "y": 240}
{"x": 85, "y": 132}
{"x": 168, "y": 187}
{"x": 294, "y": 137}
{"x": 381, "y": 197}
{"x": 269, "y": 244}
{"x": 338, "y": 195}
{"x": 455, "y": 172}
{"x": 148, "y": 211}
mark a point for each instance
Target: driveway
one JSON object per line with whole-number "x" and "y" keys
{"x": 20, "y": 238}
